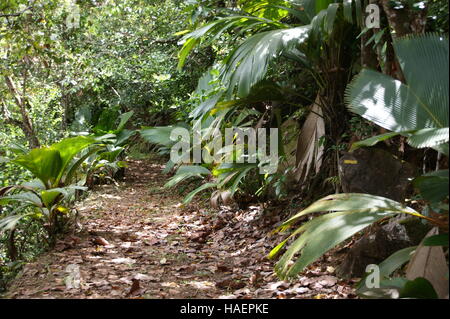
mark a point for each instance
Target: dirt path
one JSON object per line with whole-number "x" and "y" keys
{"x": 137, "y": 241}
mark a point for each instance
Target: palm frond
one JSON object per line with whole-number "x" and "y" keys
{"x": 350, "y": 213}
{"x": 417, "y": 109}
{"x": 419, "y": 104}
{"x": 216, "y": 28}
{"x": 309, "y": 152}
{"x": 249, "y": 63}
{"x": 425, "y": 65}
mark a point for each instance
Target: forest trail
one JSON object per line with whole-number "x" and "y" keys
{"x": 137, "y": 241}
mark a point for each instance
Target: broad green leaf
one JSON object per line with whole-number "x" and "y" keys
{"x": 331, "y": 17}
{"x": 187, "y": 48}
{"x": 24, "y": 197}
{"x": 112, "y": 153}
{"x": 433, "y": 187}
{"x": 191, "y": 195}
{"x": 429, "y": 137}
{"x": 10, "y": 222}
{"x": 395, "y": 261}
{"x": 320, "y": 235}
{"x": 390, "y": 104}
{"x": 72, "y": 169}
{"x": 49, "y": 196}
{"x": 193, "y": 169}
{"x": 418, "y": 139}
{"x": 70, "y": 147}
{"x": 124, "y": 136}
{"x": 354, "y": 202}
{"x": 425, "y": 64}
{"x": 248, "y": 63}
{"x": 371, "y": 141}
{"x": 419, "y": 105}
{"x": 159, "y": 135}
{"x": 352, "y": 213}
{"x": 418, "y": 288}
{"x": 185, "y": 172}
{"x": 215, "y": 29}
{"x": 124, "y": 118}
{"x": 436, "y": 240}
{"x": 179, "y": 178}
{"x": 45, "y": 163}
{"x": 35, "y": 184}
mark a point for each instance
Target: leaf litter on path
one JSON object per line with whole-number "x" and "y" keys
{"x": 140, "y": 243}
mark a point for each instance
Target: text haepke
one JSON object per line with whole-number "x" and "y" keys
{"x": 226, "y": 308}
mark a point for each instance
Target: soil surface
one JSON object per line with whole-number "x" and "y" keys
{"x": 136, "y": 240}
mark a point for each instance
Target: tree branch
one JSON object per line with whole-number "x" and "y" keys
{"x": 8, "y": 15}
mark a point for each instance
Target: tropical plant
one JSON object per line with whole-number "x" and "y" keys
{"x": 48, "y": 206}
{"x": 214, "y": 114}
{"x": 55, "y": 169}
{"x": 107, "y": 160}
{"x": 418, "y": 110}
{"x": 310, "y": 35}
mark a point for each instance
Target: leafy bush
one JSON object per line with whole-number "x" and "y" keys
{"x": 418, "y": 110}
{"x": 54, "y": 168}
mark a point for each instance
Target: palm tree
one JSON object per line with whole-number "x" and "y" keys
{"x": 320, "y": 41}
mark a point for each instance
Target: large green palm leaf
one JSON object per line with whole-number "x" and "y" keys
{"x": 417, "y": 108}
{"x": 50, "y": 164}
{"x": 249, "y": 63}
{"x": 350, "y": 213}
{"x": 216, "y": 28}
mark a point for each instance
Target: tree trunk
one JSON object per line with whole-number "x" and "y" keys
{"x": 11, "y": 246}
{"x": 65, "y": 105}
{"x": 25, "y": 124}
{"x": 405, "y": 21}
{"x": 369, "y": 57}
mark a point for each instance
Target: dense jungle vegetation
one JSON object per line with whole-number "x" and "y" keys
{"x": 92, "y": 91}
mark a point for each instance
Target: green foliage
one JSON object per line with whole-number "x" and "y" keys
{"x": 58, "y": 171}
{"x": 118, "y": 63}
{"x": 418, "y": 288}
{"x": 437, "y": 240}
{"x": 352, "y": 213}
{"x": 247, "y": 63}
{"x": 433, "y": 186}
{"x": 418, "y": 109}
{"x": 54, "y": 165}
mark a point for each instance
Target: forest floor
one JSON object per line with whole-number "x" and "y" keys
{"x": 136, "y": 240}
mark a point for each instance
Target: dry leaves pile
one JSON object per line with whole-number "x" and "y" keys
{"x": 137, "y": 241}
